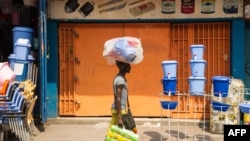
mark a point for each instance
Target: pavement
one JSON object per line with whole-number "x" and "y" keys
{"x": 149, "y": 129}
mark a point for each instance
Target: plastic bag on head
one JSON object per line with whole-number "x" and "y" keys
{"x": 125, "y": 49}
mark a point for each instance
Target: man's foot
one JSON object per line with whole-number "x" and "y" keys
{"x": 134, "y": 130}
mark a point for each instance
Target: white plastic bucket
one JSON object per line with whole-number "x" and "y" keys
{"x": 198, "y": 67}
{"x": 197, "y": 85}
{"x": 169, "y": 68}
{"x": 197, "y": 51}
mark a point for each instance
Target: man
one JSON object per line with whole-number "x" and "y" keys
{"x": 120, "y": 95}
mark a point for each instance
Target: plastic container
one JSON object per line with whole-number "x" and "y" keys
{"x": 198, "y": 67}
{"x": 6, "y": 73}
{"x": 30, "y": 66}
{"x": 170, "y": 105}
{"x": 4, "y": 88}
{"x": 245, "y": 108}
{"x": 219, "y": 106}
{"x": 22, "y": 49}
{"x": 169, "y": 68}
{"x": 169, "y": 85}
{"x": 220, "y": 85}
{"x": 246, "y": 119}
{"x": 197, "y": 85}
{"x": 12, "y": 59}
{"x": 20, "y": 70}
{"x": 31, "y": 58}
{"x": 197, "y": 52}
{"x": 22, "y": 32}
{"x": 124, "y": 49}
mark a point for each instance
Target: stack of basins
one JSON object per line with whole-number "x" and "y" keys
{"x": 21, "y": 60}
{"x": 197, "y": 66}
{"x": 169, "y": 82}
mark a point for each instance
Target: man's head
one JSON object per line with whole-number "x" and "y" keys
{"x": 123, "y": 67}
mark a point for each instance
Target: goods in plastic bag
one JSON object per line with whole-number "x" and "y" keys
{"x": 121, "y": 134}
{"x": 125, "y": 49}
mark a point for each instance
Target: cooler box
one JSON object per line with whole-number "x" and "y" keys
{"x": 22, "y": 49}
{"x": 22, "y": 32}
{"x": 21, "y": 69}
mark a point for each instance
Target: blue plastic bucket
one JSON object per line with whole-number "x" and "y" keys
{"x": 169, "y": 85}
{"x": 22, "y": 32}
{"x": 169, "y": 68}
{"x": 197, "y": 85}
{"x": 220, "y": 85}
{"x": 20, "y": 70}
{"x": 197, "y": 51}
{"x": 198, "y": 67}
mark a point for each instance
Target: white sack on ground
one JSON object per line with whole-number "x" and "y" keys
{"x": 125, "y": 49}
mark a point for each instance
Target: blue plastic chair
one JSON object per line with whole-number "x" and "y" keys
{"x": 8, "y": 96}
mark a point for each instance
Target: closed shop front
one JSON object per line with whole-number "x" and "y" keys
{"x": 86, "y": 78}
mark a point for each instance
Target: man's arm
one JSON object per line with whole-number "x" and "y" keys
{"x": 119, "y": 89}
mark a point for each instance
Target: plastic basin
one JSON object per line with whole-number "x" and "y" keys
{"x": 219, "y": 106}
{"x": 170, "y": 105}
{"x": 244, "y": 108}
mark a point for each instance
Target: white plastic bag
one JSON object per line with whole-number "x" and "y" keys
{"x": 125, "y": 49}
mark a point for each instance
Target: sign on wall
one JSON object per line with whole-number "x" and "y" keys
{"x": 144, "y": 9}
{"x": 247, "y": 9}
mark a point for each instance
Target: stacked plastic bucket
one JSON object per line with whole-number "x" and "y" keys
{"x": 169, "y": 82}
{"x": 220, "y": 89}
{"x": 21, "y": 60}
{"x": 170, "y": 76}
{"x": 220, "y": 105}
{"x": 197, "y": 65}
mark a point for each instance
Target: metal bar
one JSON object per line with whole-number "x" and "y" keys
{"x": 43, "y": 62}
{"x": 17, "y": 132}
{"x": 1, "y": 136}
{"x": 22, "y": 130}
